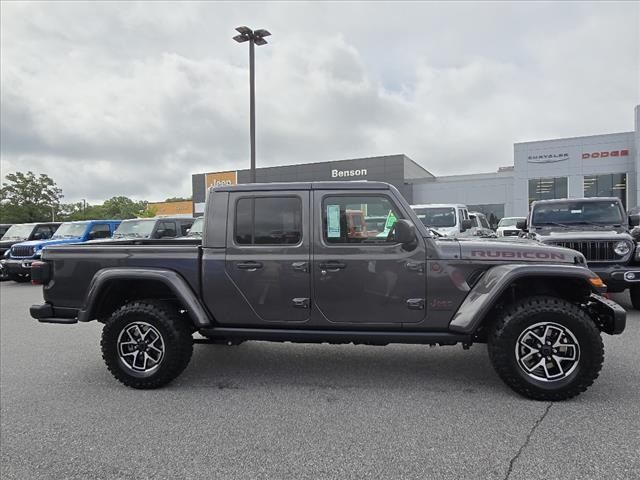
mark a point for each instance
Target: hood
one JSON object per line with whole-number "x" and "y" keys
{"x": 579, "y": 234}
{"x": 517, "y": 250}
{"x": 446, "y": 231}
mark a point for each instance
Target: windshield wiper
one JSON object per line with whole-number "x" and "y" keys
{"x": 438, "y": 234}
{"x": 585, "y": 222}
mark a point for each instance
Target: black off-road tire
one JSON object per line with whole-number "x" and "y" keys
{"x": 176, "y": 339}
{"x": 527, "y": 313}
{"x": 634, "y": 294}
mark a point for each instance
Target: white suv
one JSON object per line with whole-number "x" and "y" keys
{"x": 507, "y": 227}
{"x": 448, "y": 219}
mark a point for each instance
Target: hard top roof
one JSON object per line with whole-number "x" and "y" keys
{"x": 270, "y": 187}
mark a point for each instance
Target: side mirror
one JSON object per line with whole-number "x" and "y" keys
{"x": 465, "y": 225}
{"x": 521, "y": 225}
{"x": 405, "y": 232}
{"x": 634, "y": 220}
{"x": 159, "y": 233}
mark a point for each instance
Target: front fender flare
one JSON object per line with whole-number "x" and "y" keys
{"x": 496, "y": 280}
{"x": 171, "y": 279}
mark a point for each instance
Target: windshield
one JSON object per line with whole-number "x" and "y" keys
{"x": 572, "y": 212}
{"x": 135, "y": 229}
{"x": 437, "y": 216}
{"x": 70, "y": 230}
{"x": 510, "y": 222}
{"x": 18, "y": 232}
{"x": 196, "y": 228}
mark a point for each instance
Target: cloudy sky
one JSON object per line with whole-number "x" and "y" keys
{"x": 120, "y": 98}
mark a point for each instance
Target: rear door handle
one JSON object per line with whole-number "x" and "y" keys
{"x": 251, "y": 266}
{"x": 332, "y": 266}
{"x": 300, "y": 266}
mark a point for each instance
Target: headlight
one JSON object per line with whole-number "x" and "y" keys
{"x": 622, "y": 248}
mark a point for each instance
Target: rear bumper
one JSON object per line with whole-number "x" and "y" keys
{"x": 610, "y": 316}
{"x": 46, "y": 313}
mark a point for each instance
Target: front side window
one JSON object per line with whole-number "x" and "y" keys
{"x": 45, "y": 231}
{"x": 268, "y": 221}
{"x": 358, "y": 219}
{"x": 483, "y": 222}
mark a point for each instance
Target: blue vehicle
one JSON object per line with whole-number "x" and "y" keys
{"x": 18, "y": 259}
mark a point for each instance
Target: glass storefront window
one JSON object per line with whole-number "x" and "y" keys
{"x": 608, "y": 185}
{"x": 547, "y": 188}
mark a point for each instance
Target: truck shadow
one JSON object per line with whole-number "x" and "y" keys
{"x": 328, "y": 367}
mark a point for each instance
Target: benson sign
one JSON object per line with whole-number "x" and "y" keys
{"x": 360, "y": 172}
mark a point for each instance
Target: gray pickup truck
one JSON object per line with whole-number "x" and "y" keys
{"x": 296, "y": 262}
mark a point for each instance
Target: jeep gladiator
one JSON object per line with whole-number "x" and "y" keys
{"x": 279, "y": 262}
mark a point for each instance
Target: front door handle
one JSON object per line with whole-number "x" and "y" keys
{"x": 301, "y": 303}
{"x": 332, "y": 266}
{"x": 250, "y": 266}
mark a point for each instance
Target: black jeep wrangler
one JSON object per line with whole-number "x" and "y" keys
{"x": 599, "y": 229}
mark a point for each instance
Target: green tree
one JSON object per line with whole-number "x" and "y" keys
{"x": 123, "y": 207}
{"x": 178, "y": 199}
{"x": 25, "y": 197}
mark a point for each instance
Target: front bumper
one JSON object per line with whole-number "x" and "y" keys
{"x": 610, "y": 316}
{"x": 17, "y": 265}
{"x": 617, "y": 277}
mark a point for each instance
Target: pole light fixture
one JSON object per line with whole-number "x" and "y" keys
{"x": 254, "y": 37}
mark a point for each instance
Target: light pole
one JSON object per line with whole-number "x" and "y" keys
{"x": 254, "y": 38}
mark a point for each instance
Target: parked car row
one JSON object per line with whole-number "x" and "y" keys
{"x": 22, "y": 244}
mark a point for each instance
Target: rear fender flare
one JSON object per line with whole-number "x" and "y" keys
{"x": 180, "y": 288}
{"x": 495, "y": 282}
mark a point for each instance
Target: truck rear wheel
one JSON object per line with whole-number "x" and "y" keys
{"x": 546, "y": 348}
{"x": 146, "y": 344}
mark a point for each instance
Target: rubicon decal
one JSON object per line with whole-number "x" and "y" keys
{"x": 512, "y": 255}
{"x": 611, "y": 153}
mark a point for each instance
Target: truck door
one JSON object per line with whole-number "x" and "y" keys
{"x": 268, "y": 254}
{"x": 364, "y": 276}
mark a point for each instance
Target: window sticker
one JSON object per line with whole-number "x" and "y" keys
{"x": 391, "y": 220}
{"x": 333, "y": 221}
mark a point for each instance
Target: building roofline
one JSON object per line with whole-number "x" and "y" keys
{"x": 574, "y": 138}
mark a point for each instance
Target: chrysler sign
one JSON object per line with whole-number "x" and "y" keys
{"x": 548, "y": 158}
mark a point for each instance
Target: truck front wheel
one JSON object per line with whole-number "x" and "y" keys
{"x": 546, "y": 348}
{"x": 146, "y": 344}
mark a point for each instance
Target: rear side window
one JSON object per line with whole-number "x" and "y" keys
{"x": 100, "y": 231}
{"x": 268, "y": 221}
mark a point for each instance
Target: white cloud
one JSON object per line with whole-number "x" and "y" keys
{"x": 115, "y": 98}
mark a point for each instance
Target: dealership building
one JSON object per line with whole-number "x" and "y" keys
{"x": 606, "y": 165}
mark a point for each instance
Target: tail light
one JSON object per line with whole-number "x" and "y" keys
{"x": 40, "y": 273}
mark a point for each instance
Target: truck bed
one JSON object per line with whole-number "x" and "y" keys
{"x": 74, "y": 266}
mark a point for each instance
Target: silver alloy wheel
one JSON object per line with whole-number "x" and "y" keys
{"x": 547, "y": 351}
{"x": 140, "y": 348}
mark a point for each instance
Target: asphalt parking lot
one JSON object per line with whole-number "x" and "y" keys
{"x": 279, "y": 411}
